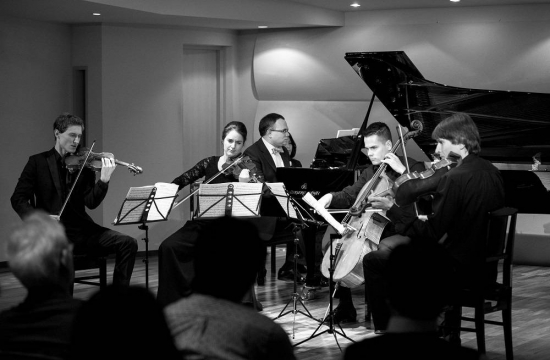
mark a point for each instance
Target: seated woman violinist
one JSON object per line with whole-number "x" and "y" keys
{"x": 175, "y": 254}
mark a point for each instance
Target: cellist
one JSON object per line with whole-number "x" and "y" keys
{"x": 378, "y": 143}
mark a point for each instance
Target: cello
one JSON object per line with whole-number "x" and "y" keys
{"x": 360, "y": 230}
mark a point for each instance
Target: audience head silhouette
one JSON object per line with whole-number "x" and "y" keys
{"x": 122, "y": 323}
{"x": 39, "y": 254}
{"x": 228, "y": 245}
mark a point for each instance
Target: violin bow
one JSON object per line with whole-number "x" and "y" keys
{"x": 237, "y": 161}
{"x": 406, "y": 160}
{"x": 76, "y": 180}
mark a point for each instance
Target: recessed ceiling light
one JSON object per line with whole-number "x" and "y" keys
{"x": 96, "y": 14}
{"x": 355, "y": 5}
{"x": 262, "y": 27}
{"x": 455, "y": 0}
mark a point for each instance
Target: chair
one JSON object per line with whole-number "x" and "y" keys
{"x": 89, "y": 262}
{"x": 498, "y": 296}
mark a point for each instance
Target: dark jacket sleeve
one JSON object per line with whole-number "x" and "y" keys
{"x": 22, "y": 199}
{"x": 253, "y": 154}
{"x": 94, "y": 192}
{"x": 403, "y": 216}
{"x": 345, "y": 198}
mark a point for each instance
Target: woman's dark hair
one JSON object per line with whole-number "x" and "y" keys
{"x": 268, "y": 121}
{"x": 237, "y": 126}
{"x": 459, "y": 128}
{"x": 293, "y": 143}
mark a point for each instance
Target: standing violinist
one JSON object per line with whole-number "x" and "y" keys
{"x": 378, "y": 142}
{"x": 461, "y": 203}
{"x": 45, "y": 184}
{"x": 175, "y": 254}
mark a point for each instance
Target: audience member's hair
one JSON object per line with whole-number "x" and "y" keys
{"x": 122, "y": 323}
{"x": 267, "y": 122}
{"x": 38, "y": 252}
{"x": 227, "y": 246}
{"x": 238, "y": 127}
{"x": 459, "y": 128}
{"x": 380, "y": 129}
{"x": 420, "y": 280}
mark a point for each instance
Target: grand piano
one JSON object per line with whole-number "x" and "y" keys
{"x": 514, "y": 126}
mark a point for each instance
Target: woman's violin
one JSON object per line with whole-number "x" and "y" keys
{"x": 244, "y": 163}
{"x": 409, "y": 187}
{"x": 75, "y": 161}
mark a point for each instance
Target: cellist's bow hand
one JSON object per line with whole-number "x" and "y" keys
{"x": 381, "y": 202}
{"x": 422, "y": 217}
{"x": 393, "y": 161}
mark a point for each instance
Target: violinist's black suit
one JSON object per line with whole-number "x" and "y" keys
{"x": 464, "y": 197}
{"x": 45, "y": 183}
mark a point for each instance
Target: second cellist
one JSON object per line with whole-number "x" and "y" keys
{"x": 380, "y": 150}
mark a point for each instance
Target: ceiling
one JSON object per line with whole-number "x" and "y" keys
{"x": 221, "y": 14}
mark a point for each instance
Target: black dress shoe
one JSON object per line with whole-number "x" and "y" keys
{"x": 261, "y": 277}
{"x": 288, "y": 275}
{"x": 301, "y": 268}
{"x": 345, "y": 313}
{"x": 317, "y": 281}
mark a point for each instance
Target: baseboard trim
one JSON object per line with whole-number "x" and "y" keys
{"x": 151, "y": 253}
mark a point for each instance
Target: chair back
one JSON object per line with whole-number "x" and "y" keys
{"x": 499, "y": 246}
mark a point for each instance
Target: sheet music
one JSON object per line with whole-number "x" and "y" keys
{"x": 212, "y": 199}
{"x": 324, "y": 213}
{"x": 278, "y": 189}
{"x": 164, "y": 198}
{"x": 136, "y": 200}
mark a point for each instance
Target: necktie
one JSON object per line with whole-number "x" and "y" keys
{"x": 276, "y": 151}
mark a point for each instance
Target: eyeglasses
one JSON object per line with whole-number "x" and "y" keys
{"x": 284, "y": 131}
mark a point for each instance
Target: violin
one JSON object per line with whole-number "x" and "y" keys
{"x": 244, "y": 163}
{"x": 409, "y": 187}
{"x": 75, "y": 161}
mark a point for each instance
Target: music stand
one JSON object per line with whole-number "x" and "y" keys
{"x": 229, "y": 199}
{"x": 329, "y": 314}
{"x": 284, "y": 199}
{"x": 147, "y": 204}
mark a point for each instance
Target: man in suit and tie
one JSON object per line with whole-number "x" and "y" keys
{"x": 45, "y": 184}
{"x": 268, "y": 154}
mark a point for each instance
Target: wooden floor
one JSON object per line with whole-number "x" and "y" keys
{"x": 531, "y": 313}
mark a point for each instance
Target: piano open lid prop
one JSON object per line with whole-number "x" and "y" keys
{"x": 514, "y": 126}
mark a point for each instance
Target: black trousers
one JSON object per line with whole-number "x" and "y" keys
{"x": 102, "y": 241}
{"x": 175, "y": 260}
{"x": 374, "y": 267}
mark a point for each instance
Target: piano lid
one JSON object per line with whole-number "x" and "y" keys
{"x": 514, "y": 126}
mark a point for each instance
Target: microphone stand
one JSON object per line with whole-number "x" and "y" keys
{"x": 329, "y": 314}
{"x": 295, "y": 297}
